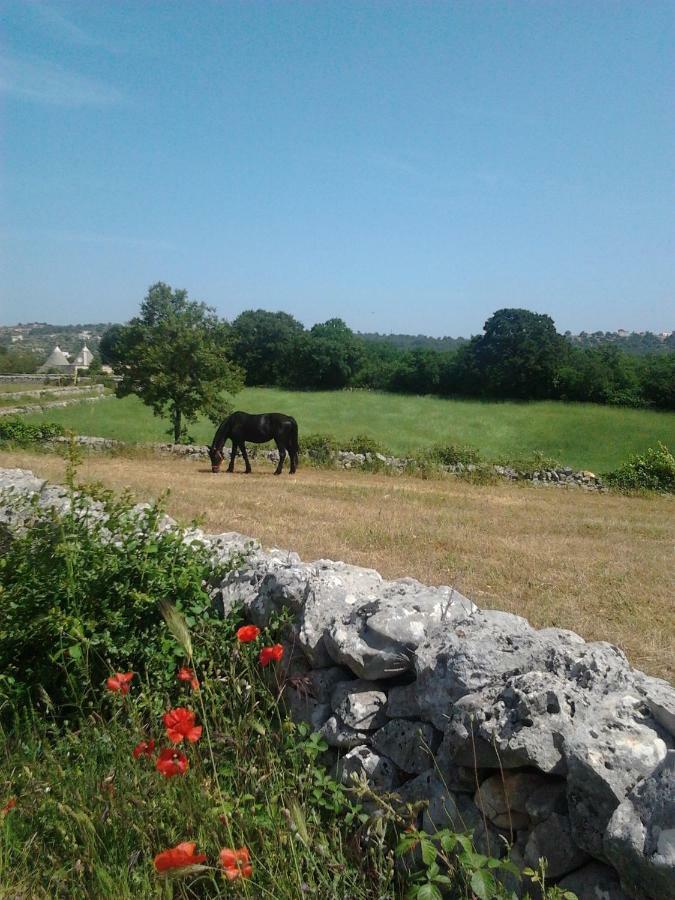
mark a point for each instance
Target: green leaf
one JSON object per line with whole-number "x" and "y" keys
{"x": 448, "y": 841}
{"x": 483, "y": 884}
{"x": 256, "y": 726}
{"x": 429, "y": 892}
{"x": 75, "y": 652}
{"x": 428, "y": 851}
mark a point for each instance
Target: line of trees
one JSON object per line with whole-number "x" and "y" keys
{"x": 520, "y": 355}
{"x": 181, "y": 359}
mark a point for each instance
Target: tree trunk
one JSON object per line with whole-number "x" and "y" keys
{"x": 176, "y": 426}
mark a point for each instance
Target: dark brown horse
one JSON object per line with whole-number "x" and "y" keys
{"x": 241, "y": 427}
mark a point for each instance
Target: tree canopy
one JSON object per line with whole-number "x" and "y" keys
{"x": 261, "y": 342}
{"x": 176, "y": 356}
{"x": 519, "y": 355}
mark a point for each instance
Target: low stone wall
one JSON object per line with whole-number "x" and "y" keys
{"x": 52, "y": 404}
{"x": 33, "y": 379}
{"x": 534, "y": 737}
{"x": 55, "y": 391}
{"x": 563, "y": 476}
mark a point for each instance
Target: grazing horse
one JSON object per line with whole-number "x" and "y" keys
{"x": 241, "y": 427}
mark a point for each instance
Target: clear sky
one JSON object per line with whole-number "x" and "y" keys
{"x": 407, "y": 166}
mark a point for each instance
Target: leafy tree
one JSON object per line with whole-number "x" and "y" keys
{"x": 261, "y": 342}
{"x": 601, "y": 375}
{"x": 176, "y": 357}
{"x": 518, "y": 356}
{"x": 417, "y": 372}
{"x": 657, "y": 377}
{"x": 326, "y": 357}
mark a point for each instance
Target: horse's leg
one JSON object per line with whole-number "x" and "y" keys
{"x": 282, "y": 457}
{"x": 242, "y": 447}
{"x": 233, "y": 454}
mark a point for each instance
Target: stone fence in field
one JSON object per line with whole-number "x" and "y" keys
{"x": 561, "y": 476}
{"x": 71, "y": 394}
{"x": 530, "y": 738}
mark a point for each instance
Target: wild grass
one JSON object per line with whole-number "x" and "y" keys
{"x": 599, "y": 564}
{"x": 86, "y": 806}
{"x": 80, "y": 815}
{"x": 582, "y": 435}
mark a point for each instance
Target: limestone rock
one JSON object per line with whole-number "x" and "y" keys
{"x": 605, "y": 759}
{"x": 358, "y": 705}
{"x": 660, "y": 698}
{"x": 410, "y": 744}
{"x": 380, "y": 772}
{"x": 553, "y": 841}
{"x": 503, "y": 798}
{"x": 550, "y": 798}
{"x": 594, "y": 881}
{"x": 303, "y": 708}
{"x": 402, "y": 702}
{"x": 640, "y": 838}
{"x": 377, "y": 639}
{"x": 337, "y": 734}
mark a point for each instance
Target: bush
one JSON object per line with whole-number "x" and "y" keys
{"x": 72, "y": 597}
{"x": 321, "y": 448}
{"x": 653, "y": 470}
{"x": 363, "y": 443}
{"x": 16, "y": 431}
{"x": 449, "y": 455}
{"x": 536, "y": 461}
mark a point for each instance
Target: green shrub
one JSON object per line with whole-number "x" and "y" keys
{"x": 321, "y": 448}
{"x": 653, "y": 470}
{"x": 363, "y": 443}
{"x": 15, "y": 431}
{"x": 535, "y": 461}
{"x": 448, "y": 455}
{"x": 73, "y": 597}
{"x": 452, "y": 454}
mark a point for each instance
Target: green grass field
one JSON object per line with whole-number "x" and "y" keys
{"x": 578, "y": 434}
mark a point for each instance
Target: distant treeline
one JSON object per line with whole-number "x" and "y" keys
{"x": 520, "y": 355}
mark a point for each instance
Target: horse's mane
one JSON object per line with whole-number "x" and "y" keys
{"x": 222, "y": 430}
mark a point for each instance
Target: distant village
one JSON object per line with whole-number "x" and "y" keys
{"x": 56, "y": 349}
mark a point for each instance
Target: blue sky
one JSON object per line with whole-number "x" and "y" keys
{"x": 409, "y": 167}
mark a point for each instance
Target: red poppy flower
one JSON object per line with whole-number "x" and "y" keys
{"x": 11, "y": 803}
{"x": 236, "y": 863}
{"x": 271, "y": 654}
{"x": 172, "y": 762}
{"x": 144, "y": 748}
{"x": 186, "y": 674}
{"x": 119, "y": 682}
{"x": 247, "y": 633}
{"x": 180, "y": 723}
{"x": 179, "y": 857}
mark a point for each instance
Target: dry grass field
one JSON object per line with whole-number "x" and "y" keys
{"x": 600, "y": 564}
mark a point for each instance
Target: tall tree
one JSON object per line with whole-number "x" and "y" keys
{"x": 176, "y": 357}
{"x": 325, "y": 357}
{"x": 261, "y": 344}
{"x": 519, "y": 354}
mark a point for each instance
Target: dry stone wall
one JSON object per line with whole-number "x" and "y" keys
{"x": 532, "y": 737}
{"x": 561, "y": 476}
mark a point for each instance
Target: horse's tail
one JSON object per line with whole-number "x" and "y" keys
{"x": 294, "y": 447}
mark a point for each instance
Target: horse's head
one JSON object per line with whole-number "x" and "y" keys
{"x": 217, "y": 457}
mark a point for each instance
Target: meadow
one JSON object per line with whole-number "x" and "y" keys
{"x": 583, "y": 435}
